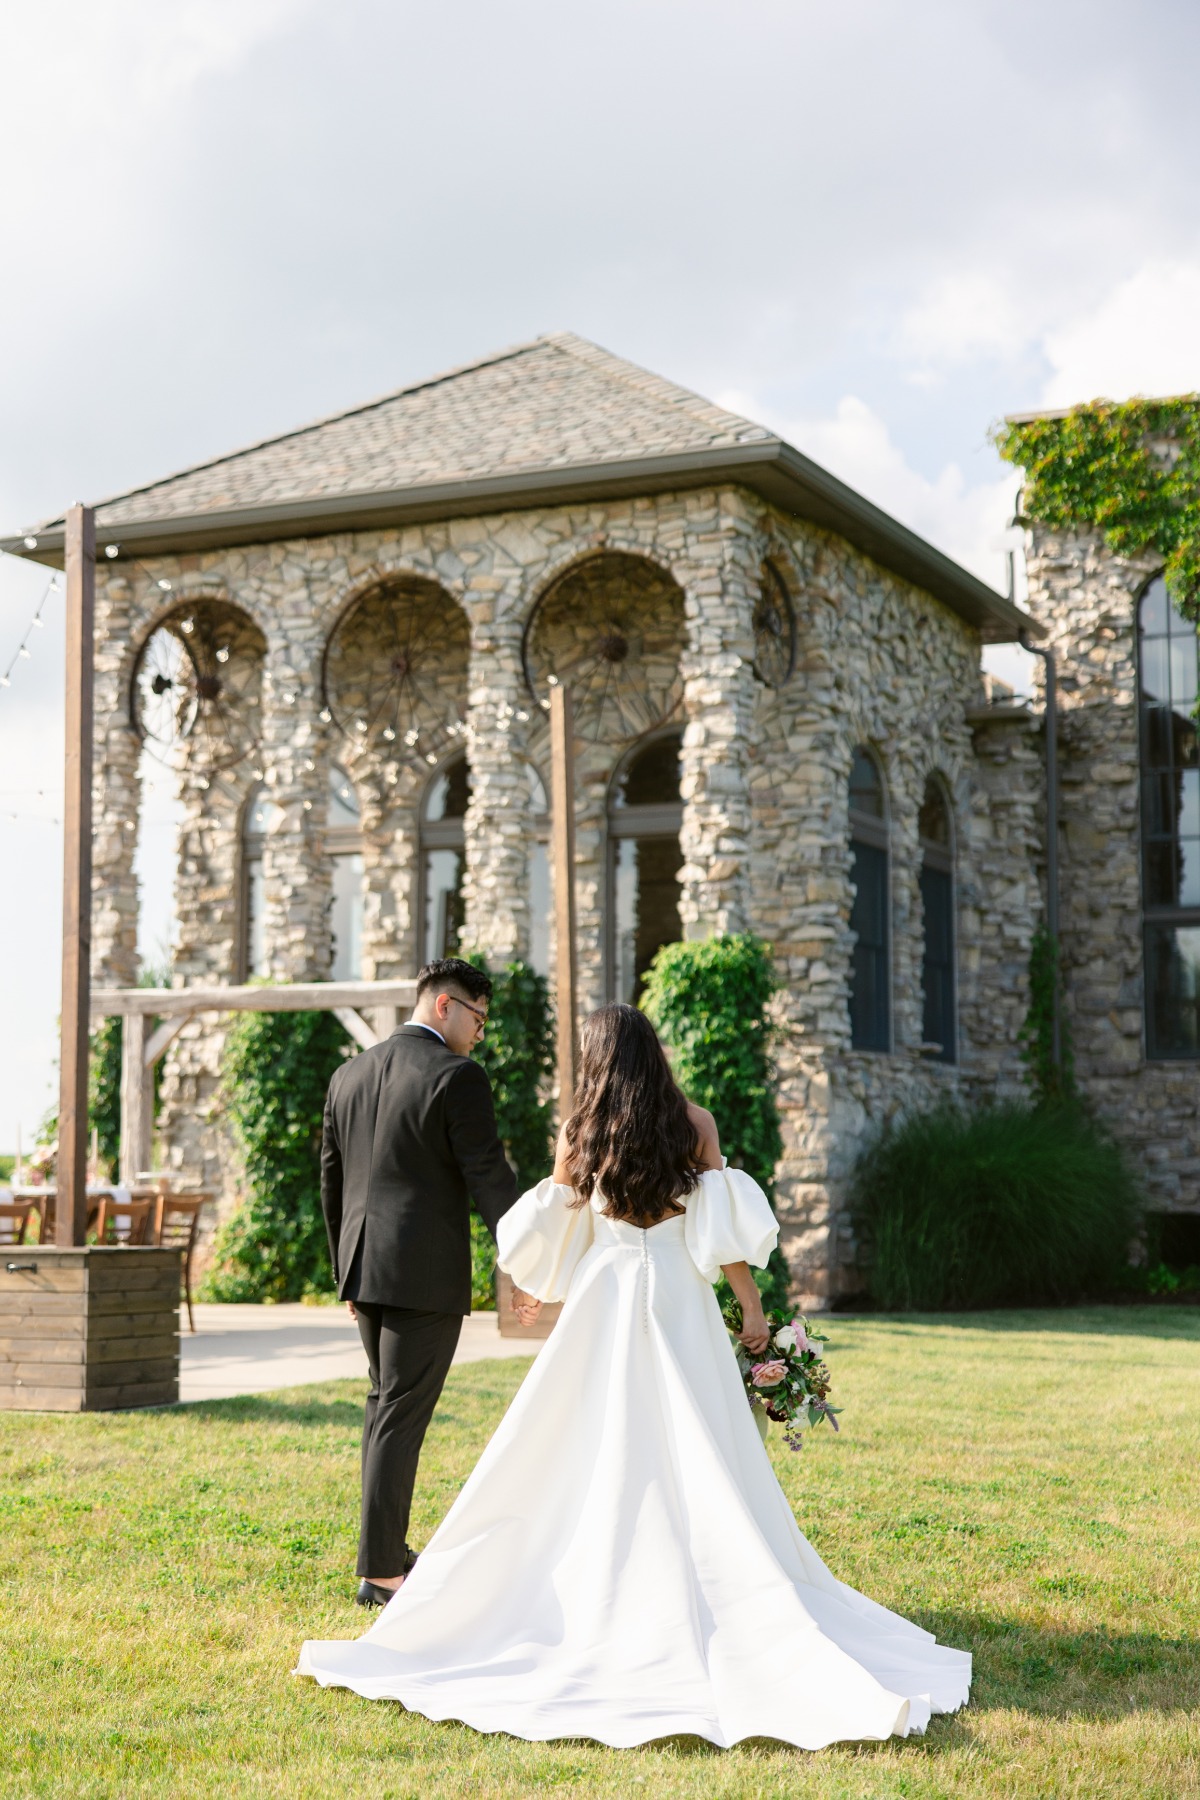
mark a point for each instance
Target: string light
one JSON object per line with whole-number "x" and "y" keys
{"x": 37, "y": 623}
{"x": 111, "y": 550}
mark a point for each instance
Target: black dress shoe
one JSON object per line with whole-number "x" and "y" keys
{"x": 369, "y": 1594}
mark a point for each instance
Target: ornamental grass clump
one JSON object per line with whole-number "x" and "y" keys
{"x": 1008, "y": 1205}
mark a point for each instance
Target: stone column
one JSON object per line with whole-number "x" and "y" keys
{"x": 297, "y": 881}
{"x": 116, "y": 790}
{"x": 721, "y": 586}
{"x": 497, "y": 823}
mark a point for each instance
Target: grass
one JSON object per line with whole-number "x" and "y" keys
{"x": 1022, "y": 1483}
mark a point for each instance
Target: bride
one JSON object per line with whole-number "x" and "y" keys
{"x": 622, "y": 1563}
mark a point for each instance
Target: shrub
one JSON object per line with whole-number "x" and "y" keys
{"x": 275, "y": 1072}
{"x": 1008, "y": 1205}
{"x": 518, "y": 1054}
{"x": 708, "y": 1001}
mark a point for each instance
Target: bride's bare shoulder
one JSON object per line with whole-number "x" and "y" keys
{"x": 705, "y": 1127}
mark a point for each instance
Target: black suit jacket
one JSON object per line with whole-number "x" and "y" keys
{"x": 409, "y": 1141}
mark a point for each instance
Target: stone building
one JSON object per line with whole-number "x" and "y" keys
{"x": 344, "y": 639}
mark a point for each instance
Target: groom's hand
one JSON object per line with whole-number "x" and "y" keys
{"x": 525, "y": 1306}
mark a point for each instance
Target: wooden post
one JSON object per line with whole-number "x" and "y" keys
{"x": 71, "y": 1177}
{"x": 137, "y": 1097}
{"x": 562, "y": 804}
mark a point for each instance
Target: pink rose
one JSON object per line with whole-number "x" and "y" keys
{"x": 768, "y": 1374}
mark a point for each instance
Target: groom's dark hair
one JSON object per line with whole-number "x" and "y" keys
{"x": 453, "y": 972}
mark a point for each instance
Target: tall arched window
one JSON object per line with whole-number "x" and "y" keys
{"x": 343, "y": 842}
{"x": 1170, "y": 826}
{"x": 442, "y": 858}
{"x": 257, "y": 819}
{"x": 539, "y": 874}
{"x": 870, "y": 915}
{"x": 939, "y": 1025}
{"x": 645, "y": 814}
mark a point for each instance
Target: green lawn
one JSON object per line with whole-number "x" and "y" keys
{"x": 1025, "y": 1484}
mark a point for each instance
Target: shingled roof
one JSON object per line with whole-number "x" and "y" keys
{"x": 556, "y": 419}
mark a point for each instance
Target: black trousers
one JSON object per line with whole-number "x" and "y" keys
{"x": 410, "y": 1355}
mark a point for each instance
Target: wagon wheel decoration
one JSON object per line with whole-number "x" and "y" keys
{"x": 614, "y": 630}
{"x": 197, "y": 683}
{"x": 774, "y": 631}
{"x": 395, "y": 670}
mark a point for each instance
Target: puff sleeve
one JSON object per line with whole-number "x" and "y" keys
{"x": 729, "y": 1220}
{"x": 541, "y": 1240}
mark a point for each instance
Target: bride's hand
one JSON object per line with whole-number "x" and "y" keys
{"x": 525, "y": 1306}
{"x": 754, "y": 1333}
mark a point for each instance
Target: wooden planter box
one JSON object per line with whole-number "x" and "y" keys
{"x": 88, "y": 1330}
{"x": 510, "y": 1325}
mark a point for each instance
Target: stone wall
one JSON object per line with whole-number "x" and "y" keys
{"x": 1087, "y": 598}
{"x": 764, "y": 783}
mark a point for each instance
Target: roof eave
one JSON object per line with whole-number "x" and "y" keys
{"x": 770, "y": 467}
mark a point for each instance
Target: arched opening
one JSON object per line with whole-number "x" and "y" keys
{"x": 258, "y": 817}
{"x": 939, "y": 1023}
{"x": 645, "y": 813}
{"x": 443, "y": 810}
{"x": 1170, "y": 766}
{"x": 539, "y": 873}
{"x": 343, "y": 844}
{"x": 870, "y": 915}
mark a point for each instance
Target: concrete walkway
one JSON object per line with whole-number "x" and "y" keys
{"x": 253, "y": 1349}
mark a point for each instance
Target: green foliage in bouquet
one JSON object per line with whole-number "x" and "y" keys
{"x": 518, "y": 1054}
{"x": 275, "y": 1072}
{"x": 789, "y": 1381}
{"x": 709, "y": 1002}
{"x": 1009, "y": 1205}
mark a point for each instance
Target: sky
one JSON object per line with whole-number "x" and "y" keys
{"x": 873, "y": 228}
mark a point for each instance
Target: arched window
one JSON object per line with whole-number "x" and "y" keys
{"x": 870, "y": 915}
{"x": 539, "y": 874}
{"x": 1167, "y": 662}
{"x": 645, "y": 813}
{"x": 258, "y": 817}
{"x": 442, "y": 857}
{"x": 343, "y": 842}
{"x": 939, "y": 1025}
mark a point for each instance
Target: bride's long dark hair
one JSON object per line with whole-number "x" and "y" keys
{"x": 630, "y": 1135}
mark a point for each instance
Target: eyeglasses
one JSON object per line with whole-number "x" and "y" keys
{"x": 481, "y": 1016}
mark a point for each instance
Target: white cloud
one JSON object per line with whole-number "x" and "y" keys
{"x": 962, "y": 317}
{"x": 1142, "y": 338}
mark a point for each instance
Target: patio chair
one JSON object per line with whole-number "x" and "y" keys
{"x": 14, "y": 1221}
{"x": 134, "y": 1215}
{"x": 176, "y": 1223}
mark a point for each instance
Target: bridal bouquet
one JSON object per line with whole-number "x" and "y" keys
{"x": 788, "y": 1381}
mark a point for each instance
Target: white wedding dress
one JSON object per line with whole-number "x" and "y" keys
{"x": 622, "y": 1563}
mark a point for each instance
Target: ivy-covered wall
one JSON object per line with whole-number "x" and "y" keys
{"x": 1111, "y": 498}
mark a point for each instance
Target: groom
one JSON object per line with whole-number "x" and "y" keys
{"x": 409, "y": 1141}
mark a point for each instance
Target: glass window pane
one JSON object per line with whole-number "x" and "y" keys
{"x": 870, "y": 1000}
{"x": 1156, "y": 668}
{"x": 646, "y": 903}
{"x": 1161, "y": 889}
{"x": 256, "y": 935}
{"x": 937, "y": 900}
{"x": 539, "y": 909}
{"x": 1158, "y": 732}
{"x": 449, "y": 791}
{"x": 1183, "y": 674}
{"x": 537, "y": 790}
{"x": 866, "y": 785}
{"x": 346, "y": 918}
{"x": 1188, "y": 789}
{"x": 443, "y": 909}
{"x": 343, "y": 801}
{"x": 1158, "y": 804}
{"x": 1189, "y": 872}
{"x": 652, "y": 778}
{"x": 1172, "y": 991}
{"x": 1153, "y": 616}
{"x": 933, "y": 822}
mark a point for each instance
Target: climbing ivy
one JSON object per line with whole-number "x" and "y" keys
{"x": 1052, "y": 1085}
{"x": 1131, "y": 471}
